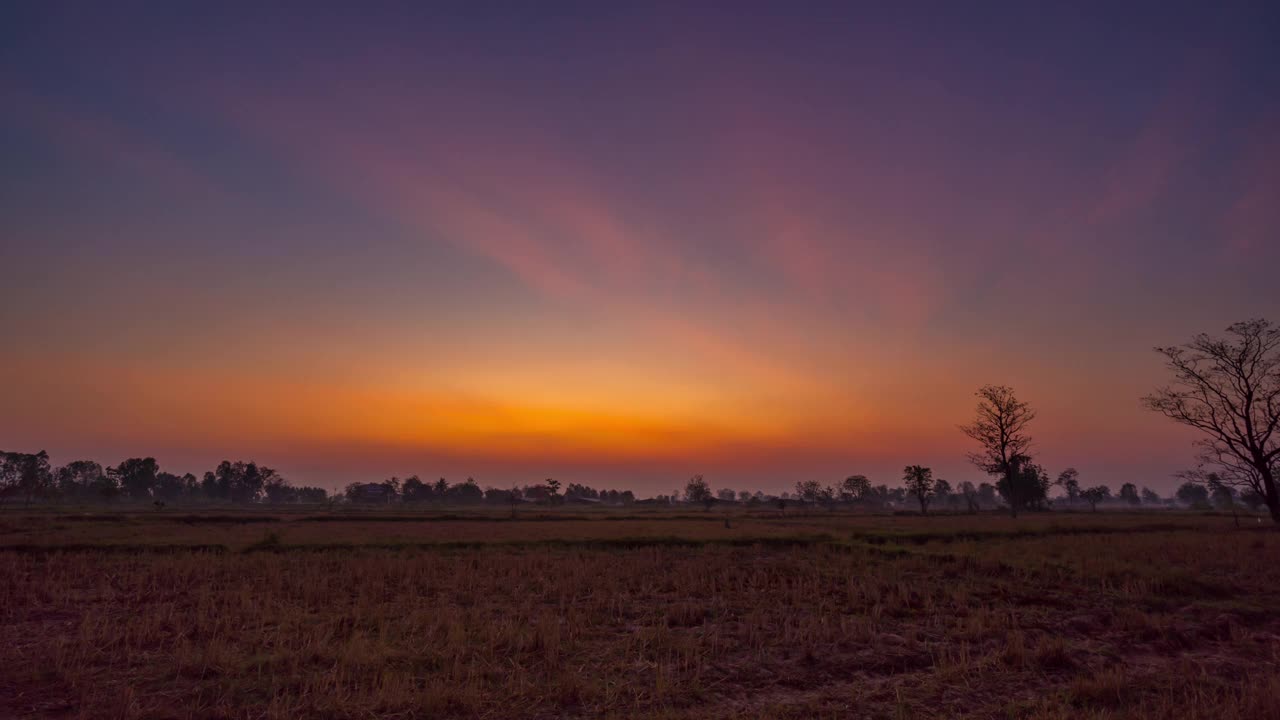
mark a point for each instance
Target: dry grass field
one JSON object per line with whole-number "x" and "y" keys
{"x": 637, "y": 615}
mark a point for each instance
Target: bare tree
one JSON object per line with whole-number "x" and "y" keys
{"x": 1001, "y": 430}
{"x": 1229, "y": 390}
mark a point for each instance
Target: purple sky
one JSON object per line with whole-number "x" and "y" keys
{"x": 513, "y": 241}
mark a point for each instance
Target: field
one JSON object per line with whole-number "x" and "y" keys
{"x": 637, "y": 614}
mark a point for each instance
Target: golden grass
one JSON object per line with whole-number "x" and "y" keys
{"x": 859, "y": 617}
{"x": 236, "y": 528}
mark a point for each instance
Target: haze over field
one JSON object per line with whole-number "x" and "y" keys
{"x": 620, "y": 248}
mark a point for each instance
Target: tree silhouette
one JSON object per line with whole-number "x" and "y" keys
{"x": 1026, "y": 485}
{"x": 414, "y": 490}
{"x": 697, "y": 490}
{"x": 1229, "y": 390}
{"x": 1222, "y": 494}
{"x": 1001, "y": 431}
{"x": 1129, "y": 494}
{"x": 78, "y": 478}
{"x": 137, "y": 476}
{"x": 919, "y": 482}
{"x": 1193, "y": 494}
{"x": 1095, "y": 495}
{"x": 809, "y": 491}
{"x": 26, "y": 474}
{"x": 942, "y": 491}
{"x": 1069, "y": 481}
{"x": 970, "y": 494}
{"x": 854, "y": 488}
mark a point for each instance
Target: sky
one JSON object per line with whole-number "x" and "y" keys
{"x": 760, "y": 242}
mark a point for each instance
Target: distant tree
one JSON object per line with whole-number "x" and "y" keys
{"x": 1229, "y": 390}
{"x": 228, "y": 478}
{"x": 1129, "y": 494}
{"x": 1193, "y": 494}
{"x": 106, "y": 488}
{"x": 392, "y": 488}
{"x": 440, "y": 488}
{"x": 725, "y": 495}
{"x": 919, "y": 482}
{"x": 26, "y": 474}
{"x": 413, "y": 490}
{"x": 1027, "y": 484}
{"x": 581, "y": 492}
{"x": 307, "y": 494}
{"x": 77, "y": 479}
{"x": 987, "y": 494}
{"x": 1221, "y": 494}
{"x": 252, "y": 479}
{"x": 553, "y": 488}
{"x": 250, "y": 482}
{"x": 744, "y": 496}
{"x": 209, "y": 486}
{"x": 352, "y": 491}
{"x": 467, "y": 492}
{"x": 1095, "y": 495}
{"x": 536, "y": 493}
{"x": 854, "y": 488}
{"x": 497, "y": 496}
{"x": 1069, "y": 481}
{"x": 1150, "y": 497}
{"x": 808, "y": 490}
{"x": 970, "y": 494}
{"x": 942, "y": 491}
{"x": 698, "y": 491}
{"x": 8, "y": 476}
{"x": 170, "y": 487}
{"x": 1001, "y": 432}
{"x": 277, "y": 490}
{"x": 136, "y": 476}
{"x": 827, "y": 497}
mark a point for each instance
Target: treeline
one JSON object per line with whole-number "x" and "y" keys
{"x": 29, "y": 476}
{"x": 1027, "y": 486}
{"x": 414, "y": 490}
{"x": 1030, "y": 487}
